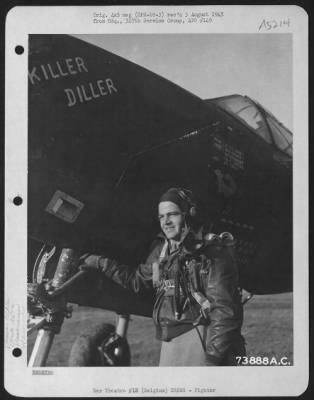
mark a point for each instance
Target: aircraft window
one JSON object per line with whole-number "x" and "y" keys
{"x": 243, "y": 109}
{"x": 282, "y": 137}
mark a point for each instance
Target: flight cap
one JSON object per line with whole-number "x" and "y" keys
{"x": 183, "y": 198}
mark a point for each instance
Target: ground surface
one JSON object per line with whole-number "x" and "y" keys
{"x": 267, "y": 329}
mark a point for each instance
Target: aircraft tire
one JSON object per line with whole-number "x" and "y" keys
{"x": 85, "y": 349}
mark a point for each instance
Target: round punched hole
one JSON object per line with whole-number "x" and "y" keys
{"x": 19, "y": 50}
{"x": 17, "y": 352}
{"x": 17, "y": 200}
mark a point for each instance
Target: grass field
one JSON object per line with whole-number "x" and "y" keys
{"x": 267, "y": 329}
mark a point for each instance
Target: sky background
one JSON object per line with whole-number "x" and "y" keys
{"x": 214, "y": 65}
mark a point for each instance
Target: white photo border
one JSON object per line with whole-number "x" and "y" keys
{"x": 227, "y": 381}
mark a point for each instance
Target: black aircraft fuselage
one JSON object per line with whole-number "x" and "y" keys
{"x": 106, "y": 137}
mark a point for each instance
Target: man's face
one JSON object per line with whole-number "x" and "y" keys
{"x": 172, "y": 220}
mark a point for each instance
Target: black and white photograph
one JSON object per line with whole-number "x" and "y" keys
{"x": 161, "y": 213}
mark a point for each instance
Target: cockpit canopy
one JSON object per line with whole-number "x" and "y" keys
{"x": 264, "y": 123}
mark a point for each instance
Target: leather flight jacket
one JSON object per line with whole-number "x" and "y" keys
{"x": 197, "y": 284}
{"x": 182, "y": 279}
